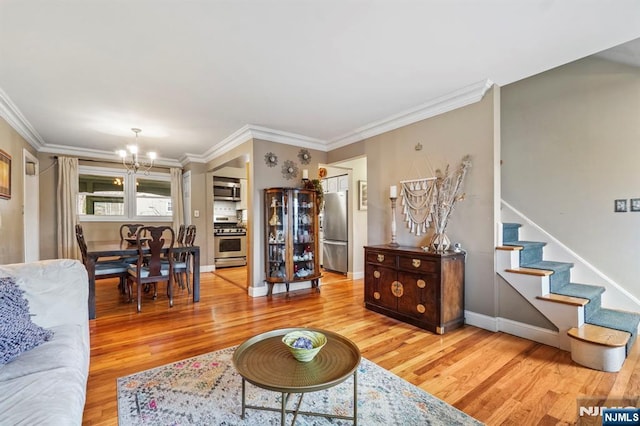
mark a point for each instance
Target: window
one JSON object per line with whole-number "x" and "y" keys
{"x": 153, "y": 197}
{"x": 111, "y": 195}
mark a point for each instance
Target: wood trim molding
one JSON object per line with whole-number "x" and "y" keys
{"x": 567, "y": 300}
{"x": 530, "y": 271}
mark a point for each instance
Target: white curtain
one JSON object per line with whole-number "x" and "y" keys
{"x": 177, "y": 204}
{"x": 66, "y": 208}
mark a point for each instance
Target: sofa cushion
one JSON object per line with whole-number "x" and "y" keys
{"x": 64, "y": 350}
{"x": 18, "y": 333}
{"x": 57, "y": 290}
{"x": 53, "y": 398}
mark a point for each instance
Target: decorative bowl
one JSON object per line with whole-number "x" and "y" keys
{"x": 304, "y": 344}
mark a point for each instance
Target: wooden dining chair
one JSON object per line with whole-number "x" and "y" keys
{"x": 104, "y": 269}
{"x": 154, "y": 266}
{"x": 129, "y": 230}
{"x": 181, "y": 232}
{"x": 182, "y": 263}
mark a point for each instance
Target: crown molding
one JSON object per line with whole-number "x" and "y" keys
{"x": 96, "y": 154}
{"x": 12, "y": 115}
{"x": 448, "y": 102}
{"x": 235, "y": 139}
{"x": 252, "y": 131}
{"x": 272, "y": 135}
{"x": 192, "y": 158}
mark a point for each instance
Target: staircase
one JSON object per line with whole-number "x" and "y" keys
{"x": 597, "y": 337}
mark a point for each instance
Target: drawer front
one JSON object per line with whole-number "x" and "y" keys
{"x": 381, "y": 258}
{"x": 418, "y": 264}
{"x": 379, "y": 286}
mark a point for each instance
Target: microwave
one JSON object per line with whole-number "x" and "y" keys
{"x": 228, "y": 191}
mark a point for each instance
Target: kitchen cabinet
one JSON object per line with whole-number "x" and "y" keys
{"x": 336, "y": 183}
{"x": 343, "y": 182}
{"x": 291, "y": 237}
{"x": 421, "y": 288}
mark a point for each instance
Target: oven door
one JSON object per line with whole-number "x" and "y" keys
{"x": 227, "y": 246}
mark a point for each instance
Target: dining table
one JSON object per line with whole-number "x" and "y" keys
{"x": 99, "y": 249}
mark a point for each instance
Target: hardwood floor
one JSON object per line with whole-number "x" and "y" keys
{"x": 495, "y": 377}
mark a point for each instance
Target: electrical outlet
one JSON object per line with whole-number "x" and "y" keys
{"x": 196, "y": 213}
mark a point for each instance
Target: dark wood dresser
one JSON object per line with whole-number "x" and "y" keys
{"x": 421, "y": 288}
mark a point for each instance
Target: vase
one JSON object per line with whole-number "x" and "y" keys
{"x": 439, "y": 242}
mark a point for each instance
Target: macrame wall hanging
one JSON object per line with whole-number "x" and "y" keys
{"x": 417, "y": 198}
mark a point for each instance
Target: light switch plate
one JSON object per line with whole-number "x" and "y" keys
{"x": 196, "y": 213}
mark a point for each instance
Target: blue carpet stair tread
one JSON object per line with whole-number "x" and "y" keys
{"x": 585, "y": 291}
{"x": 510, "y": 232}
{"x": 559, "y": 283}
{"x": 525, "y": 244}
{"x": 531, "y": 251}
{"x": 561, "y": 272}
{"x": 618, "y": 320}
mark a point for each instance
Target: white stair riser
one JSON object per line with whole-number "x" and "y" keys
{"x": 597, "y": 357}
{"x": 507, "y": 259}
{"x": 562, "y": 315}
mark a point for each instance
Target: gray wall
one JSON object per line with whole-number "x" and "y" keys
{"x": 571, "y": 146}
{"x": 446, "y": 138}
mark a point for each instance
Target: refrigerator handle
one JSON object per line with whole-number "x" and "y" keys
{"x": 336, "y": 243}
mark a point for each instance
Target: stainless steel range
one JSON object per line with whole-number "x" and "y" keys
{"x": 230, "y": 245}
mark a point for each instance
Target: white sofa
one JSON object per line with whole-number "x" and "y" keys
{"x": 47, "y": 384}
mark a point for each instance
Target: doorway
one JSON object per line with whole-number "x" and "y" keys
{"x": 31, "y": 207}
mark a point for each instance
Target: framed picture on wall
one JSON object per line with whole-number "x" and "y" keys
{"x": 620, "y": 206}
{"x": 5, "y": 175}
{"x": 362, "y": 195}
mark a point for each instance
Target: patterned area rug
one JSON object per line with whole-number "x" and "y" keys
{"x": 207, "y": 390}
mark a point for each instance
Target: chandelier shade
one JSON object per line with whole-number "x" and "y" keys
{"x": 131, "y": 159}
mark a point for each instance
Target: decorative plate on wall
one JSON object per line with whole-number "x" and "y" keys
{"x": 271, "y": 159}
{"x": 304, "y": 156}
{"x": 289, "y": 170}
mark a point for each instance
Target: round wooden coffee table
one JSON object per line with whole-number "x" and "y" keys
{"x": 266, "y": 362}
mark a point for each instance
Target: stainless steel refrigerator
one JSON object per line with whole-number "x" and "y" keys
{"x": 335, "y": 232}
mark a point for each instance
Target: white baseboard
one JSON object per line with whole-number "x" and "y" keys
{"x": 526, "y": 331}
{"x": 278, "y": 288}
{"x": 481, "y": 321}
{"x": 355, "y": 275}
{"x": 207, "y": 268}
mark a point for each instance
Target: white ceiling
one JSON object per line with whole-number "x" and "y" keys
{"x": 198, "y": 76}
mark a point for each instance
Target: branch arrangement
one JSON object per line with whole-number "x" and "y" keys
{"x": 448, "y": 191}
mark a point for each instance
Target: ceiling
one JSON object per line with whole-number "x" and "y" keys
{"x": 198, "y": 76}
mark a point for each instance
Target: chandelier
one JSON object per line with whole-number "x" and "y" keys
{"x": 130, "y": 159}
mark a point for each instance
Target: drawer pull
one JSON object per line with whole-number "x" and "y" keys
{"x": 381, "y": 258}
{"x": 397, "y": 289}
{"x": 416, "y": 263}
{"x": 376, "y": 274}
{"x": 376, "y": 295}
{"x": 421, "y": 308}
{"x": 421, "y": 284}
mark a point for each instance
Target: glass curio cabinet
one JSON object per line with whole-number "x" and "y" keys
{"x": 291, "y": 237}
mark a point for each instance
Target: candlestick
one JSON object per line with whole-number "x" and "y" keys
{"x": 305, "y": 174}
{"x": 393, "y": 191}
{"x": 393, "y": 242}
